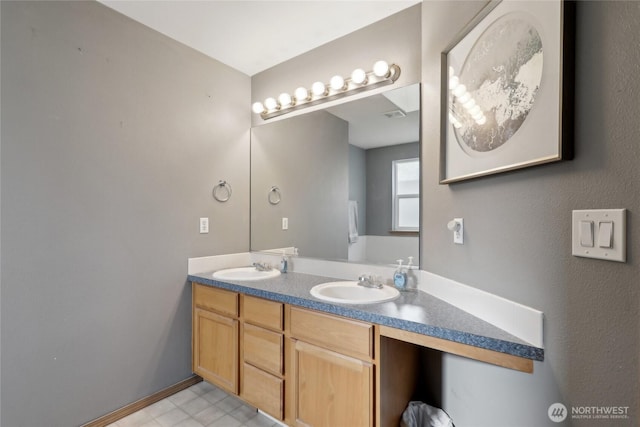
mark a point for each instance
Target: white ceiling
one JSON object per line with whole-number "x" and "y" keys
{"x": 252, "y": 36}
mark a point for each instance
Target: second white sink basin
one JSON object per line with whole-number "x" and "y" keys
{"x": 350, "y": 292}
{"x": 245, "y": 273}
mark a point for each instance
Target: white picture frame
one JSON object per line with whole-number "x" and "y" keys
{"x": 516, "y": 59}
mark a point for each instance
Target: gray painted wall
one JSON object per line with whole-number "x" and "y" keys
{"x": 379, "y": 185}
{"x": 518, "y": 234}
{"x": 112, "y": 138}
{"x": 307, "y": 158}
{"x": 358, "y": 184}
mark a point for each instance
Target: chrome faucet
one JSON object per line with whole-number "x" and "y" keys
{"x": 369, "y": 282}
{"x": 262, "y": 266}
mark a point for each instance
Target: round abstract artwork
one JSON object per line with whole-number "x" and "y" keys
{"x": 497, "y": 85}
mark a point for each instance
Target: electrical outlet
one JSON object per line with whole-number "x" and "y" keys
{"x": 458, "y": 235}
{"x": 204, "y": 225}
{"x": 457, "y": 226}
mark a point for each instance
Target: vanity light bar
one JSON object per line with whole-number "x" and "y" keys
{"x": 382, "y": 74}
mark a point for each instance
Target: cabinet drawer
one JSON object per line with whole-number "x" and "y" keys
{"x": 262, "y": 312}
{"x": 220, "y": 300}
{"x": 343, "y": 335}
{"x": 263, "y": 390}
{"x": 263, "y": 348}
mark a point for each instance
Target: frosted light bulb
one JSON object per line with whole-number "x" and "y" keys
{"x": 337, "y": 83}
{"x": 481, "y": 120}
{"x": 475, "y": 110}
{"x": 459, "y": 90}
{"x": 456, "y": 124}
{"x": 465, "y": 98}
{"x": 301, "y": 94}
{"x": 381, "y": 69}
{"x": 470, "y": 104}
{"x": 454, "y": 82}
{"x": 285, "y": 99}
{"x": 271, "y": 104}
{"x": 318, "y": 89}
{"x": 477, "y": 116}
{"x": 257, "y": 107}
{"x": 452, "y": 72}
{"x": 359, "y": 76}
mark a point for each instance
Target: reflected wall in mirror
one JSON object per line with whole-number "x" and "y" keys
{"x": 348, "y": 178}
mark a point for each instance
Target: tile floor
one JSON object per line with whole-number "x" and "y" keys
{"x": 201, "y": 405}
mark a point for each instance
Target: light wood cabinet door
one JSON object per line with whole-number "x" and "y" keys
{"x": 215, "y": 349}
{"x": 331, "y": 389}
{"x": 263, "y": 390}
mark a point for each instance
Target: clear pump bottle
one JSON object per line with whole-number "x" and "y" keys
{"x": 284, "y": 263}
{"x": 400, "y": 277}
{"x": 412, "y": 280}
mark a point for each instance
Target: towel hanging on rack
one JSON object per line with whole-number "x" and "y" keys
{"x": 353, "y": 221}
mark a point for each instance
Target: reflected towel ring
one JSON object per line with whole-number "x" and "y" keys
{"x": 220, "y": 190}
{"x": 274, "y": 195}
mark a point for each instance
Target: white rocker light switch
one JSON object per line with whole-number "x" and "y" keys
{"x": 600, "y": 233}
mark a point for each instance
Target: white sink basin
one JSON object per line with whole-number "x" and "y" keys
{"x": 349, "y": 292}
{"x": 245, "y": 273}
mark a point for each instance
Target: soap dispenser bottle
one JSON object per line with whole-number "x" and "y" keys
{"x": 400, "y": 277}
{"x": 412, "y": 280}
{"x": 284, "y": 263}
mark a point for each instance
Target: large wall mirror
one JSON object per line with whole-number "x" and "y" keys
{"x": 342, "y": 183}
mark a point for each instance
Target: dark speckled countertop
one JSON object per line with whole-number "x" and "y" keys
{"x": 416, "y": 312}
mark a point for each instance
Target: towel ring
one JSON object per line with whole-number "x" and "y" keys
{"x": 222, "y": 191}
{"x": 274, "y": 195}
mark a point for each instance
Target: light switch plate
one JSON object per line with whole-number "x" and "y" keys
{"x": 601, "y": 219}
{"x": 204, "y": 225}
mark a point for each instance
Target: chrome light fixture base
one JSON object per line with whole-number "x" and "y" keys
{"x": 372, "y": 80}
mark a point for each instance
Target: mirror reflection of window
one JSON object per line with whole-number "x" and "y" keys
{"x": 406, "y": 195}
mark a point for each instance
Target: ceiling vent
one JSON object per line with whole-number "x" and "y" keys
{"x": 395, "y": 114}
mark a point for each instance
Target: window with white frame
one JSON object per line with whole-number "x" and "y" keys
{"x": 406, "y": 195}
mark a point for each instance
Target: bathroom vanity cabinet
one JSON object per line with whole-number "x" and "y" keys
{"x": 309, "y": 367}
{"x": 313, "y": 369}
